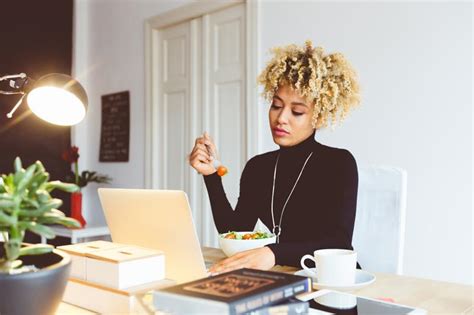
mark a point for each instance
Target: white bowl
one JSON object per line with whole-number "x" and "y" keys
{"x": 232, "y": 246}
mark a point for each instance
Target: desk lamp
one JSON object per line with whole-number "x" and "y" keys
{"x": 56, "y": 98}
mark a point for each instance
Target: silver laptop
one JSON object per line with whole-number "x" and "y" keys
{"x": 158, "y": 219}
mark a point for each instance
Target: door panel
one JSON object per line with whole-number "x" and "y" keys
{"x": 227, "y": 44}
{"x": 228, "y": 120}
{"x": 174, "y": 58}
{"x": 225, "y": 75}
{"x": 174, "y": 107}
{"x": 175, "y": 140}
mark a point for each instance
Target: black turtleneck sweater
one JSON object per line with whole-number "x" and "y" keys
{"x": 320, "y": 213}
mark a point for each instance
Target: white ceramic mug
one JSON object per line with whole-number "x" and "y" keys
{"x": 333, "y": 266}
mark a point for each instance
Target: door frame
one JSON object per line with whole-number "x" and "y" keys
{"x": 178, "y": 15}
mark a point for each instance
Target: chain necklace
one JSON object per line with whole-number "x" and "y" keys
{"x": 277, "y": 228}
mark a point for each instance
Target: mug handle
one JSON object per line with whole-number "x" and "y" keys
{"x": 308, "y": 270}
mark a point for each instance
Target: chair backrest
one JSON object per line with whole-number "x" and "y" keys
{"x": 379, "y": 230}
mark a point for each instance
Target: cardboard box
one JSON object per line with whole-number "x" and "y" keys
{"x": 124, "y": 267}
{"x": 105, "y": 300}
{"x": 79, "y": 252}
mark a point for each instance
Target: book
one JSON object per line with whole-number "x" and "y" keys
{"x": 103, "y": 299}
{"x": 291, "y": 306}
{"x": 235, "y": 292}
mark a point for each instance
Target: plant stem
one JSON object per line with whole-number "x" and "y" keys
{"x": 13, "y": 244}
{"x": 76, "y": 172}
{"x": 5, "y": 266}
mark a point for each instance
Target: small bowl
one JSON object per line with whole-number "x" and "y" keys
{"x": 232, "y": 246}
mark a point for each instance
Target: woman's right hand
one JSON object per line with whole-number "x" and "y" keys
{"x": 200, "y": 159}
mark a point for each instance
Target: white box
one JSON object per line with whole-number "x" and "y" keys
{"x": 111, "y": 301}
{"x": 125, "y": 267}
{"x": 78, "y": 253}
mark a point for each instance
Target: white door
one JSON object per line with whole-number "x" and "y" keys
{"x": 201, "y": 87}
{"x": 224, "y": 94}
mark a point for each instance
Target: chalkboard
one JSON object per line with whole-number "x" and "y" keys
{"x": 115, "y": 130}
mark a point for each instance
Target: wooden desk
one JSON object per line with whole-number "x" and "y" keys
{"x": 436, "y": 297}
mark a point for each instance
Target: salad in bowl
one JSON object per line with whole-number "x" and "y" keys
{"x": 234, "y": 242}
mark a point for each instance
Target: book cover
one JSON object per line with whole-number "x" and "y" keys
{"x": 234, "y": 292}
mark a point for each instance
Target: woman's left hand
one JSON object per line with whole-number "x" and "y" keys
{"x": 259, "y": 258}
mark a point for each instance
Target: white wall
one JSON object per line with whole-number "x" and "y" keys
{"x": 109, "y": 57}
{"x": 414, "y": 61}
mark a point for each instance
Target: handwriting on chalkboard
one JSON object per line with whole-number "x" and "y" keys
{"x": 115, "y": 128}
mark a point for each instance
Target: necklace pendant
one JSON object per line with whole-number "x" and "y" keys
{"x": 277, "y": 230}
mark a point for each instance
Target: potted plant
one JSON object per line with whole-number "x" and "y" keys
{"x": 34, "y": 284}
{"x": 71, "y": 155}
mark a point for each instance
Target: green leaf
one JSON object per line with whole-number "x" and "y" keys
{"x": 16, "y": 263}
{"x": 9, "y": 183}
{"x": 38, "y": 179}
{"x": 36, "y": 228}
{"x": 40, "y": 167}
{"x": 7, "y": 204}
{"x": 6, "y": 219}
{"x": 50, "y": 217}
{"x": 53, "y": 203}
{"x": 29, "y": 203}
{"x": 61, "y": 186}
{"x": 58, "y": 212}
{"x": 8, "y": 179}
{"x": 42, "y": 195}
{"x": 26, "y": 178}
{"x": 18, "y": 176}
{"x": 36, "y": 249}
{"x": 69, "y": 222}
{"x": 17, "y": 164}
{"x": 5, "y": 196}
{"x": 58, "y": 218}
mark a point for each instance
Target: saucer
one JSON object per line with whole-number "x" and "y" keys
{"x": 363, "y": 279}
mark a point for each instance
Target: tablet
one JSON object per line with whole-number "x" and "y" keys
{"x": 332, "y": 302}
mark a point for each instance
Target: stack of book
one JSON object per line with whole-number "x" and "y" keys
{"x": 243, "y": 291}
{"x": 111, "y": 278}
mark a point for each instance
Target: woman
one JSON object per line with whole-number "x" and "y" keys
{"x": 305, "y": 192}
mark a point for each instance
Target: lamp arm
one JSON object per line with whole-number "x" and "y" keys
{"x": 10, "y": 92}
{"x": 10, "y": 114}
{"x": 16, "y": 82}
{"x": 13, "y": 76}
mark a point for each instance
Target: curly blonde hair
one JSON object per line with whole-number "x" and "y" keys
{"x": 328, "y": 81}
